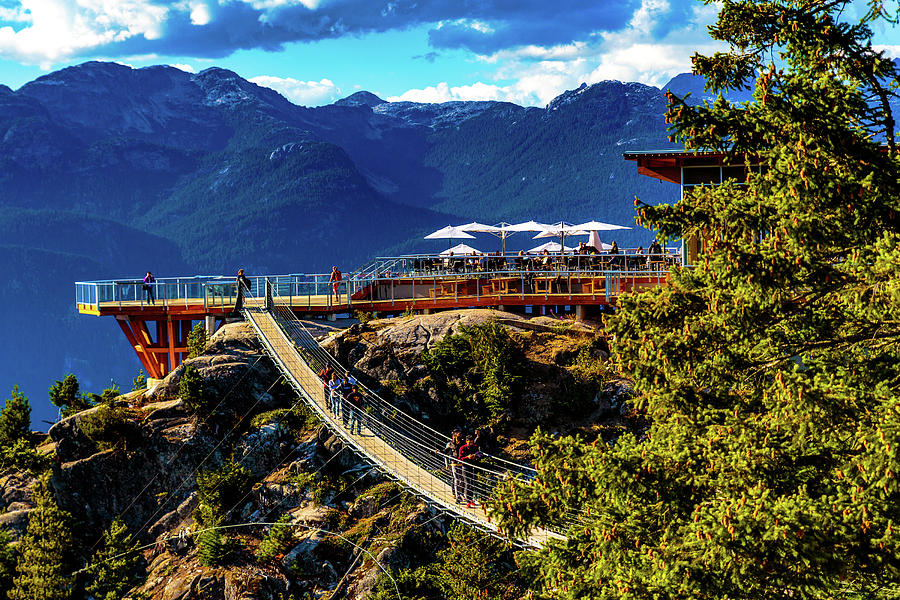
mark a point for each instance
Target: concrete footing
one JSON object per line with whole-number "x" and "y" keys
{"x": 209, "y": 323}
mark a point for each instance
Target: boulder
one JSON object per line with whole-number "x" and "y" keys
{"x": 16, "y": 521}
{"x": 71, "y": 443}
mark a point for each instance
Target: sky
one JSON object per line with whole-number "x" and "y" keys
{"x": 317, "y": 51}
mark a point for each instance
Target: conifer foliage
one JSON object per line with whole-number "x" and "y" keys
{"x": 44, "y": 568}
{"x": 115, "y": 567}
{"x": 769, "y": 372}
{"x": 15, "y": 418}
{"x": 65, "y": 394}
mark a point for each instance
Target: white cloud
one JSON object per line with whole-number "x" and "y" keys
{"x": 442, "y": 92}
{"x": 200, "y": 14}
{"x": 534, "y": 75}
{"x": 59, "y": 29}
{"x": 891, "y": 51}
{"x": 184, "y": 67}
{"x": 305, "y": 93}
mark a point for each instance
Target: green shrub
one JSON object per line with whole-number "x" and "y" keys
{"x": 140, "y": 382}
{"x": 192, "y": 390}
{"x": 115, "y": 568}
{"x": 196, "y": 342}
{"x": 45, "y": 565}
{"x": 450, "y": 356}
{"x": 477, "y": 370}
{"x": 7, "y": 561}
{"x": 475, "y": 565}
{"x": 214, "y": 547}
{"x": 363, "y": 316}
{"x": 106, "y": 426}
{"x": 413, "y": 584}
{"x": 15, "y": 418}
{"x": 219, "y": 490}
{"x": 65, "y": 394}
{"x": 277, "y": 539}
{"x": 22, "y": 456}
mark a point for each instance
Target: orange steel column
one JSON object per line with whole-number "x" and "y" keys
{"x": 155, "y": 349}
{"x": 171, "y": 335}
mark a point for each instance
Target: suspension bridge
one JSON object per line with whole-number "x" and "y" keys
{"x": 400, "y": 446}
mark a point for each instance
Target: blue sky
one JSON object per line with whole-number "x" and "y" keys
{"x": 316, "y": 51}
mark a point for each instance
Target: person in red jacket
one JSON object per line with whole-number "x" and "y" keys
{"x": 335, "y": 281}
{"x": 469, "y": 455}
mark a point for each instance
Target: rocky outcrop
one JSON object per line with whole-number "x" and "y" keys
{"x": 391, "y": 349}
{"x": 233, "y": 367}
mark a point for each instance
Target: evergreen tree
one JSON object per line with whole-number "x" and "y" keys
{"x": 192, "y": 389}
{"x": 65, "y": 394}
{"x": 44, "y": 566}
{"x": 769, "y": 372}
{"x": 476, "y": 565}
{"x": 196, "y": 341}
{"x": 140, "y": 382}
{"x": 214, "y": 547}
{"x": 15, "y": 418}
{"x": 115, "y": 567}
{"x": 7, "y": 562}
{"x": 276, "y": 540}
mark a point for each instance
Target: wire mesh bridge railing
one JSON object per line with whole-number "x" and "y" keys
{"x": 401, "y": 446}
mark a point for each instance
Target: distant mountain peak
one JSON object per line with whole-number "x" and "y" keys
{"x": 360, "y": 99}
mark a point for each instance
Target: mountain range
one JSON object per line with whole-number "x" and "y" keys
{"x": 108, "y": 171}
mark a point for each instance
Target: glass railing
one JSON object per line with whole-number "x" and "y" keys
{"x": 315, "y": 289}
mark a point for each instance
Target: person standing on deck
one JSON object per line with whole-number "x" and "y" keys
{"x": 242, "y": 283}
{"x": 335, "y": 280}
{"x": 149, "y": 280}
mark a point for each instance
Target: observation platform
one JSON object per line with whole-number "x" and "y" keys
{"x": 158, "y": 327}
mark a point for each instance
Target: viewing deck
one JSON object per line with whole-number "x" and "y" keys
{"x": 158, "y": 329}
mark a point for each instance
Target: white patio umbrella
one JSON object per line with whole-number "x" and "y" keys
{"x": 550, "y": 247}
{"x": 449, "y": 233}
{"x": 594, "y": 241}
{"x": 560, "y": 230}
{"x": 592, "y": 227}
{"x": 527, "y": 226}
{"x": 598, "y": 226}
{"x": 461, "y": 249}
{"x": 507, "y": 229}
{"x": 476, "y": 227}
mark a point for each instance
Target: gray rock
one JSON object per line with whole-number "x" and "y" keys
{"x": 71, "y": 443}
{"x": 16, "y": 488}
{"x": 16, "y": 521}
{"x": 171, "y": 520}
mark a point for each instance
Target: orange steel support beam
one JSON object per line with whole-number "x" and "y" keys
{"x": 146, "y": 358}
{"x": 170, "y": 349}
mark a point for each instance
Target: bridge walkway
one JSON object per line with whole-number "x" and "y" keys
{"x": 403, "y": 448}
